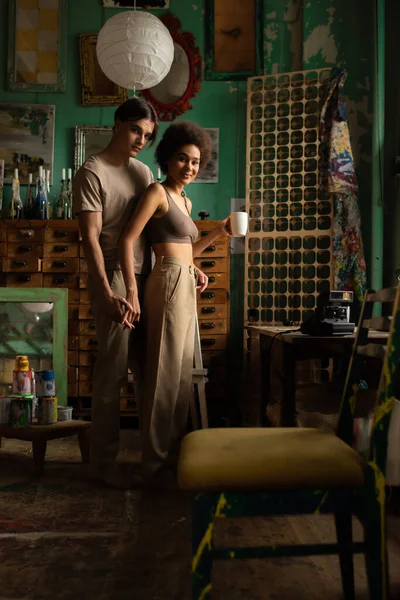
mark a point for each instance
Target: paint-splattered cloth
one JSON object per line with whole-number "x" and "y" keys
{"x": 337, "y": 175}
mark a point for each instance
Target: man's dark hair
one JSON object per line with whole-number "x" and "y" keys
{"x": 181, "y": 134}
{"x": 135, "y": 109}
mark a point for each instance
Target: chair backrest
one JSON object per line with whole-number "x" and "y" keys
{"x": 377, "y": 337}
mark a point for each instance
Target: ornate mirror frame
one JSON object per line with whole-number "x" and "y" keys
{"x": 85, "y": 132}
{"x": 168, "y": 112}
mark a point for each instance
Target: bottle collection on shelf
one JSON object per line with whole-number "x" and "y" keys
{"x": 38, "y": 203}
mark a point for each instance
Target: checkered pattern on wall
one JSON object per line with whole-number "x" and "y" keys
{"x": 37, "y": 41}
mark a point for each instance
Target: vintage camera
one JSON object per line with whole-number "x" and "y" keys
{"x": 331, "y": 316}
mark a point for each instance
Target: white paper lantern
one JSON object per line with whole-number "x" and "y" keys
{"x": 38, "y": 307}
{"x": 135, "y": 50}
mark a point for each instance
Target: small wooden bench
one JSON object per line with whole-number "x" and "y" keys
{"x": 39, "y": 435}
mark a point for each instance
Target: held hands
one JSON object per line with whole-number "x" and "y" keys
{"x": 116, "y": 307}
{"x": 132, "y": 314}
{"x": 224, "y": 227}
{"x": 202, "y": 280}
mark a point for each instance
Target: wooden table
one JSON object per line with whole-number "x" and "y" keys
{"x": 296, "y": 346}
{"x": 39, "y": 435}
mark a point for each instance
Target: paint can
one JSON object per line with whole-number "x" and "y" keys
{"x": 34, "y": 406}
{"x": 35, "y": 413}
{"x": 64, "y": 413}
{"x": 22, "y": 382}
{"x": 21, "y": 363}
{"x": 45, "y": 384}
{"x": 21, "y": 412}
{"x": 47, "y": 410}
{"x": 5, "y": 407}
{"x": 33, "y": 382}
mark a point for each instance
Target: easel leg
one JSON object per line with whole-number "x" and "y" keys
{"x": 200, "y": 385}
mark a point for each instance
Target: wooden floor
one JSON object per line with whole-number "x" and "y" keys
{"x": 66, "y": 537}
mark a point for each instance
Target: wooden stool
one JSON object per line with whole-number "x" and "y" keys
{"x": 39, "y": 435}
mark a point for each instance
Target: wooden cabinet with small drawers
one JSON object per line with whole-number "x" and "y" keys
{"x": 213, "y": 312}
{"x": 50, "y": 254}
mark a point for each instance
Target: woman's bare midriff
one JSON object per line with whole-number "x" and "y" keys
{"x": 182, "y": 252}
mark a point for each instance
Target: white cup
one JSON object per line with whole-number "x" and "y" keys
{"x": 239, "y": 223}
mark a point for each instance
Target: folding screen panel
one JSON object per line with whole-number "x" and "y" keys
{"x": 289, "y": 243}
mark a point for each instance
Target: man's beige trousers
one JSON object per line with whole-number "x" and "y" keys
{"x": 111, "y": 371}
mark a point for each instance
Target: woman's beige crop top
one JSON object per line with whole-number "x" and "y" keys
{"x": 172, "y": 228}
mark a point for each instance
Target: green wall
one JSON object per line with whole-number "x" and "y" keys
{"x": 296, "y": 35}
{"x": 217, "y": 105}
{"x": 302, "y": 34}
{"x": 392, "y": 145}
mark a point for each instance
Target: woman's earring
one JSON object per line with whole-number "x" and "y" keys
{"x": 183, "y": 194}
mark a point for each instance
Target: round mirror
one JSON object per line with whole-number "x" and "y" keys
{"x": 171, "y": 96}
{"x": 175, "y": 84}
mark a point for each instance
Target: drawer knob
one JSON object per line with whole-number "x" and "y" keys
{"x": 25, "y": 248}
{"x": 61, "y": 233}
{"x": 207, "y": 263}
{"x": 211, "y": 279}
{"x": 92, "y": 325}
{"x": 207, "y": 326}
{"x": 19, "y": 263}
{"x": 60, "y": 263}
{"x": 208, "y": 310}
{"x": 26, "y": 233}
{"x": 208, "y": 295}
{"x": 204, "y": 233}
{"x": 92, "y": 342}
{"x": 208, "y": 342}
{"x": 60, "y": 248}
{"x": 210, "y": 249}
{"x": 59, "y": 280}
{"x": 203, "y": 215}
{"x": 24, "y": 278}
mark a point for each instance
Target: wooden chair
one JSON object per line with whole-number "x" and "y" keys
{"x": 262, "y": 472}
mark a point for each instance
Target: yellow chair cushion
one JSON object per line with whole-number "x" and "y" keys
{"x": 261, "y": 459}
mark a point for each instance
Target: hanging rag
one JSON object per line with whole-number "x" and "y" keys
{"x": 337, "y": 176}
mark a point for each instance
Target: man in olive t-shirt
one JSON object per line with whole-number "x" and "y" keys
{"x": 106, "y": 190}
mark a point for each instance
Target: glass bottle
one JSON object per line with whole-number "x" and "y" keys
{"x": 60, "y": 199}
{"x": 41, "y": 200}
{"x": 29, "y": 208}
{"x": 69, "y": 196}
{"x": 49, "y": 208}
{"x": 16, "y": 208}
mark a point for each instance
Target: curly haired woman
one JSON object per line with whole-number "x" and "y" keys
{"x": 169, "y": 305}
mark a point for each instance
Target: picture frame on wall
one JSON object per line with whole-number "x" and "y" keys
{"x": 37, "y": 46}
{"x": 27, "y": 139}
{"x": 210, "y": 173}
{"x": 97, "y": 88}
{"x": 233, "y": 40}
{"x": 143, "y": 4}
{"x": 89, "y": 140}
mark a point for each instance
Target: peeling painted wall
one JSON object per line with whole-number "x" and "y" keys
{"x": 323, "y": 33}
{"x": 392, "y": 145}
